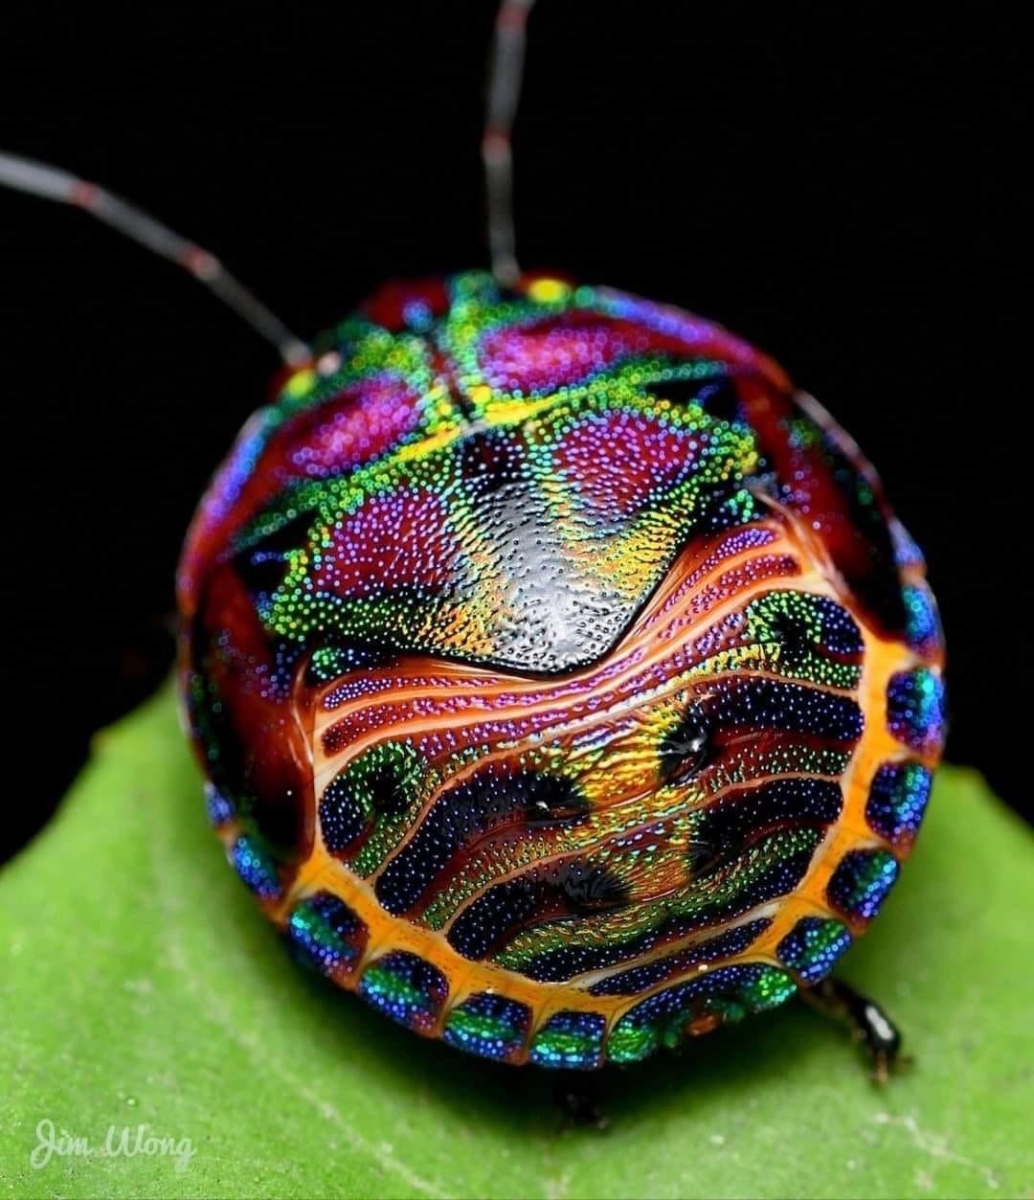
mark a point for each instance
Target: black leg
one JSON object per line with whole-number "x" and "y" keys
{"x": 868, "y": 1022}
{"x": 579, "y": 1102}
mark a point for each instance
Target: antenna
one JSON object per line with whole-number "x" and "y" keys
{"x": 505, "y": 71}
{"x": 51, "y": 183}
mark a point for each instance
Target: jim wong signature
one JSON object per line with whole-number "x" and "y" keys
{"x": 121, "y": 1141}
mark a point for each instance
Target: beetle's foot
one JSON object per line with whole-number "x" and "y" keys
{"x": 868, "y": 1022}
{"x": 579, "y": 1105}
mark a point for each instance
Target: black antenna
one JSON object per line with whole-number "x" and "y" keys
{"x": 506, "y": 69}
{"x": 51, "y": 183}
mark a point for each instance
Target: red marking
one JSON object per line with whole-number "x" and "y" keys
{"x": 818, "y": 499}
{"x": 570, "y": 347}
{"x": 615, "y": 462}
{"x": 512, "y": 18}
{"x": 398, "y": 540}
{"x": 83, "y": 194}
{"x": 260, "y": 730}
{"x": 360, "y": 424}
{"x": 199, "y": 262}
{"x": 347, "y": 430}
{"x": 495, "y": 143}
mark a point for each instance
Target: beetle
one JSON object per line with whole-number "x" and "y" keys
{"x": 563, "y": 681}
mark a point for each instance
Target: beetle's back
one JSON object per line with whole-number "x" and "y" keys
{"x": 564, "y": 682}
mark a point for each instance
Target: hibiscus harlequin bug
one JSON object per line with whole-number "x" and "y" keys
{"x": 563, "y": 682}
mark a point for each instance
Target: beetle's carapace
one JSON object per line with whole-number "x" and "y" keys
{"x": 564, "y": 684}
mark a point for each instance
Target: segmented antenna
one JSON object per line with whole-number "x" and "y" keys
{"x": 38, "y": 179}
{"x": 506, "y": 68}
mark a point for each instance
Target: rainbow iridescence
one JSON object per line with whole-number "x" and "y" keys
{"x": 563, "y": 682}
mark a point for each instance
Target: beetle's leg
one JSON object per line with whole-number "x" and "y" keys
{"x": 868, "y": 1022}
{"x": 579, "y": 1102}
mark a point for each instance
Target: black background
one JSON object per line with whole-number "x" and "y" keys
{"x": 839, "y": 184}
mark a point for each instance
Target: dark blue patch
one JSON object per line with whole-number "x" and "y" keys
{"x": 923, "y": 630}
{"x": 840, "y": 632}
{"x": 746, "y": 812}
{"x": 326, "y": 933}
{"x": 861, "y": 882}
{"x": 488, "y": 1025}
{"x": 812, "y": 948}
{"x": 897, "y": 800}
{"x": 916, "y": 710}
{"x": 662, "y": 1019}
{"x": 571, "y": 1040}
{"x": 757, "y": 704}
{"x": 220, "y": 810}
{"x": 486, "y": 922}
{"x": 546, "y": 893}
{"x": 405, "y": 988}
{"x": 638, "y": 979}
{"x": 254, "y": 865}
{"x": 343, "y": 816}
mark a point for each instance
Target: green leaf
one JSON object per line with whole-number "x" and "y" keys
{"x": 139, "y": 986}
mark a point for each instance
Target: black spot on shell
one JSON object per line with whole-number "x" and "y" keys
{"x": 686, "y": 749}
{"x": 720, "y": 399}
{"x": 261, "y": 571}
{"x": 263, "y": 564}
{"x": 793, "y": 626}
{"x": 717, "y": 395}
{"x": 489, "y": 460}
{"x": 388, "y": 794}
{"x": 590, "y": 889}
{"x": 572, "y": 958}
{"x": 702, "y": 858}
{"x": 379, "y": 784}
{"x": 790, "y": 631}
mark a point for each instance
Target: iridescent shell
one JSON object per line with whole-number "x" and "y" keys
{"x": 564, "y": 684}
